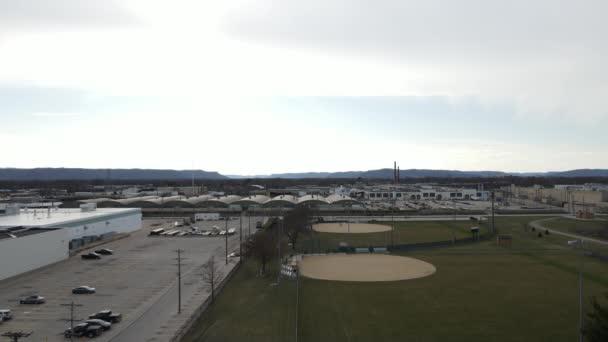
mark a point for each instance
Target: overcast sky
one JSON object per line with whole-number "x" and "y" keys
{"x": 257, "y": 87}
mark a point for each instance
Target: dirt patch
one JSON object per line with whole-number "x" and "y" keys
{"x": 364, "y": 267}
{"x": 350, "y": 228}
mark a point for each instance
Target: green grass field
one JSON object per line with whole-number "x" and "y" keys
{"x": 597, "y": 229}
{"x": 480, "y": 292}
{"x": 403, "y": 233}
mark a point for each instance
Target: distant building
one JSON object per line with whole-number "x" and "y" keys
{"x": 587, "y": 197}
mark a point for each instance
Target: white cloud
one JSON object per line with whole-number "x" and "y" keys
{"x": 546, "y": 57}
{"x": 48, "y": 114}
{"x": 205, "y": 60}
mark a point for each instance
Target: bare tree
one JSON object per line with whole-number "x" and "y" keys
{"x": 596, "y": 327}
{"x": 212, "y": 275}
{"x": 296, "y": 222}
{"x": 262, "y": 246}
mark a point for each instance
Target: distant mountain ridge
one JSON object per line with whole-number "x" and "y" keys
{"x": 427, "y": 173}
{"x": 56, "y": 174}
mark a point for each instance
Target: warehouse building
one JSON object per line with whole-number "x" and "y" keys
{"x": 571, "y": 197}
{"x": 25, "y": 249}
{"x": 33, "y": 238}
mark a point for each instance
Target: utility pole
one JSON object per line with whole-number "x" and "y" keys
{"x": 15, "y": 336}
{"x": 241, "y": 236}
{"x": 71, "y": 319}
{"x": 279, "y": 235}
{"x": 454, "y": 223}
{"x": 226, "y": 239}
{"x": 493, "y": 226}
{"x": 179, "y": 280}
{"x": 249, "y": 224}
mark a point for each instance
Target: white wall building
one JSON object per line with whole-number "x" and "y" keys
{"x": 78, "y": 222}
{"x": 33, "y": 238}
{"x": 426, "y": 193}
{"x": 28, "y": 249}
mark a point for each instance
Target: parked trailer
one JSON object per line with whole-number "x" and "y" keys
{"x": 207, "y": 217}
{"x": 158, "y": 231}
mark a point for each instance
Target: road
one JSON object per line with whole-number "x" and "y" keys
{"x": 155, "y": 322}
{"x": 537, "y": 224}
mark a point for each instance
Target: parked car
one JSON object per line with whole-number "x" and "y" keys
{"x": 107, "y": 315}
{"x": 83, "y": 290}
{"x": 35, "y": 299}
{"x": 105, "y": 325}
{"x": 84, "y": 329}
{"x": 5, "y": 315}
{"x": 104, "y": 251}
{"x": 231, "y": 231}
{"x": 91, "y": 255}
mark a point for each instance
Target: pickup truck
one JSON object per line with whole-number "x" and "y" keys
{"x": 107, "y": 315}
{"x": 84, "y": 329}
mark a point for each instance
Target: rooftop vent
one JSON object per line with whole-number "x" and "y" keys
{"x": 88, "y": 207}
{"x": 13, "y": 209}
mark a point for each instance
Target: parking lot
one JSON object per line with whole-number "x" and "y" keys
{"x": 140, "y": 274}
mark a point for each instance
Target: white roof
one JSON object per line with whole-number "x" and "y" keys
{"x": 58, "y": 216}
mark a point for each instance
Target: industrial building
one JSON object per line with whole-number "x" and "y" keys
{"x": 572, "y": 197}
{"x": 39, "y": 237}
{"x": 424, "y": 193}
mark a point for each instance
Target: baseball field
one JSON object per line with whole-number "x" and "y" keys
{"x": 478, "y": 292}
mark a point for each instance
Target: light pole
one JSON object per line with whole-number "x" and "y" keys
{"x": 580, "y": 245}
{"x": 226, "y": 238}
{"x": 241, "y": 235}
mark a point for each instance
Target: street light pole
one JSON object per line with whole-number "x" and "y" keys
{"x": 581, "y": 321}
{"x": 241, "y": 235}
{"x": 226, "y": 238}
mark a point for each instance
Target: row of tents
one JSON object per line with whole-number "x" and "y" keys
{"x": 209, "y": 201}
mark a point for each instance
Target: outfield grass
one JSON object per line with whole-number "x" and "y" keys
{"x": 597, "y": 229}
{"x": 404, "y": 233}
{"x": 480, "y": 292}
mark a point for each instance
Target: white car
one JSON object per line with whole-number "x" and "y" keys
{"x": 231, "y": 231}
{"x": 5, "y": 315}
{"x": 222, "y": 232}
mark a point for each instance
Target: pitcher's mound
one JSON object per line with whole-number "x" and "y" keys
{"x": 364, "y": 267}
{"x": 353, "y": 228}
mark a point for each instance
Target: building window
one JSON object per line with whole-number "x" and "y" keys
{"x": 372, "y": 195}
{"x": 452, "y": 194}
{"x": 425, "y": 194}
{"x": 398, "y": 194}
{"x": 459, "y": 194}
{"x": 432, "y": 194}
{"x": 385, "y": 195}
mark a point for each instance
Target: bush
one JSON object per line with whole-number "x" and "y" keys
{"x": 546, "y": 232}
{"x": 540, "y": 234}
{"x": 533, "y": 229}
